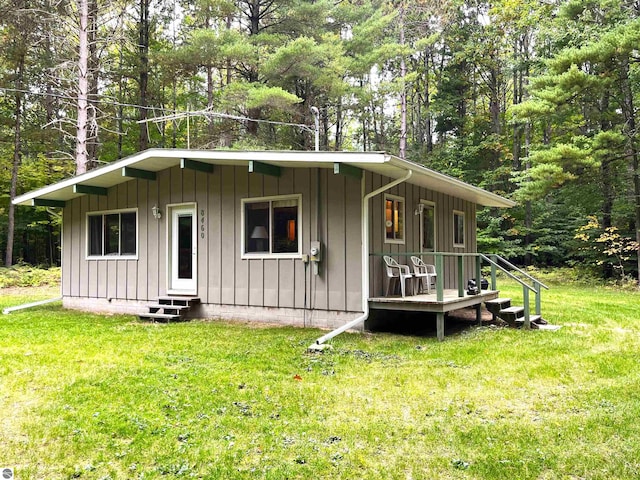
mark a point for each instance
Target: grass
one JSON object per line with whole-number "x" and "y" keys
{"x": 99, "y": 397}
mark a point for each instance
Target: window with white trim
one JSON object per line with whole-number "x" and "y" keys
{"x": 112, "y": 234}
{"x": 458, "y": 228}
{"x": 272, "y": 226}
{"x": 393, "y": 219}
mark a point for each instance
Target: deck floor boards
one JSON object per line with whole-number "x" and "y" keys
{"x": 429, "y": 302}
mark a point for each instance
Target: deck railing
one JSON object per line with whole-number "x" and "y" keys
{"x": 496, "y": 263}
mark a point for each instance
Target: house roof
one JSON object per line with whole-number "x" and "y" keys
{"x": 155, "y": 160}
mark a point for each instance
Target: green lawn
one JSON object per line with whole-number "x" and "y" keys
{"x": 99, "y": 397}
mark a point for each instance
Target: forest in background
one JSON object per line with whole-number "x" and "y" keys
{"x": 533, "y": 100}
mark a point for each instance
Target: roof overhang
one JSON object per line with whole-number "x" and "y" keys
{"x": 149, "y": 162}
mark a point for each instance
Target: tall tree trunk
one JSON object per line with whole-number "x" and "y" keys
{"x": 143, "y": 50}
{"x": 517, "y": 98}
{"x": 253, "y": 17}
{"x": 403, "y": 91}
{"x": 338, "y": 146}
{"x": 324, "y": 140}
{"x": 92, "y": 76}
{"x": 427, "y": 103}
{"x": 494, "y": 98}
{"x": 210, "y": 125}
{"x": 607, "y": 186}
{"x": 83, "y": 88}
{"x": 628, "y": 111}
{"x": 494, "y": 109}
{"x": 120, "y": 105}
{"x": 607, "y": 207}
{"x": 227, "y": 136}
{"x": 17, "y": 156}
{"x": 528, "y": 217}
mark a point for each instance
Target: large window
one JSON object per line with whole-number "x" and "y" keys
{"x": 458, "y": 229}
{"x": 272, "y": 226}
{"x": 394, "y": 219}
{"x": 428, "y": 210}
{"x": 112, "y": 234}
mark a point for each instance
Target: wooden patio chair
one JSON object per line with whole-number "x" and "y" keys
{"x": 423, "y": 272}
{"x": 396, "y": 273}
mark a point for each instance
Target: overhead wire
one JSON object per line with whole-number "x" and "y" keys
{"x": 208, "y": 112}
{"x": 176, "y": 115}
{"x": 70, "y": 97}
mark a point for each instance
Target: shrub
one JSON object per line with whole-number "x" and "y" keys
{"x": 28, "y": 276}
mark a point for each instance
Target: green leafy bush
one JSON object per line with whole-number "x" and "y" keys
{"x": 28, "y": 276}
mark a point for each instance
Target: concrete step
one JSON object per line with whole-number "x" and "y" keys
{"x": 153, "y": 308}
{"x": 168, "y": 317}
{"x": 532, "y": 320}
{"x": 184, "y": 301}
{"x": 169, "y": 309}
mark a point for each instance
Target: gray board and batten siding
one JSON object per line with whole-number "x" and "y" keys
{"x": 249, "y": 286}
{"x": 445, "y": 205}
{"x": 224, "y": 278}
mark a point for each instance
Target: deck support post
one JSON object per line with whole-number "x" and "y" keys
{"x": 440, "y": 325}
{"x": 525, "y": 298}
{"x": 536, "y": 285}
{"x": 439, "y": 278}
{"x": 479, "y": 314}
{"x": 494, "y": 258}
{"x": 461, "y": 277}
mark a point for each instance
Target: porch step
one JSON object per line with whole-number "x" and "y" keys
{"x": 169, "y": 309}
{"x": 168, "y": 317}
{"x": 514, "y": 316}
{"x": 184, "y": 301}
{"x": 533, "y": 319}
{"x": 511, "y": 313}
{"x": 497, "y": 304}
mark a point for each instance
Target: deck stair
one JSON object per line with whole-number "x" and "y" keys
{"x": 169, "y": 309}
{"x": 501, "y": 308}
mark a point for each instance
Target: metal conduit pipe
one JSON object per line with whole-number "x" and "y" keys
{"x": 365, "y": 258}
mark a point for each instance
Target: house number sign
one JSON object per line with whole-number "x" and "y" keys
{"x": 202, "y": 226}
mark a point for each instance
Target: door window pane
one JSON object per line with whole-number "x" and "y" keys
{"x": 458, "y": 229}
{"x": 428, "y": 228}
{"x": 185, "y": 246}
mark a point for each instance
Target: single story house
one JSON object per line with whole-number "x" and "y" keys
{"x": 278, "y": 236}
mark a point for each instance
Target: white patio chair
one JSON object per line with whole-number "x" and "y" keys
{"x": 396, "y": 273}
{"x": 423, "y": 271}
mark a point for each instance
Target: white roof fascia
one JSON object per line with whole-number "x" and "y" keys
{"x": 161, "y": 159}
{"x": 446, "y": 184}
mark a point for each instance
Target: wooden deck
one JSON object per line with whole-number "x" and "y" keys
{"x": 429, "y": 303}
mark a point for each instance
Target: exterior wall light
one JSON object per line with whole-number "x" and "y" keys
{"x": 157, "y": 213}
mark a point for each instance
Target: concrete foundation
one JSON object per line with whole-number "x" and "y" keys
{"x": 324, "y": 319}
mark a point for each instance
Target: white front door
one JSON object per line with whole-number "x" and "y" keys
{"x": 183, "y": 252}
